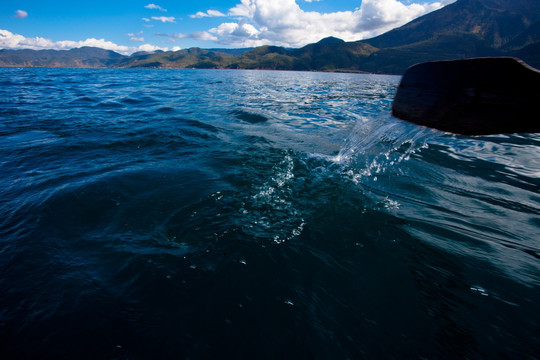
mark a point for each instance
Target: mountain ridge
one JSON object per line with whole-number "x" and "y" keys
{"x": 463, "y": 29}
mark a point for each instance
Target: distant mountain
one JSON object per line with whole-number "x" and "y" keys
{"x": 80, "y": 57}
{"x": 496, "y": 22}
{"x": 530, "y": 54}
{"x": 463, "y": 29}
{"x": 466, "y": 28}
{"x": 333, "y": 54}
{"x": 173, "y": 59}
{"x": 234, "y": 52}
{"x": 530, "y": 36}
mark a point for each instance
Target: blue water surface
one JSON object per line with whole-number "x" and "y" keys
{"x": 171, "y": 214}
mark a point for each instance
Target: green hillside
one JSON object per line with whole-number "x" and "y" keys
{"x": 464, "y": 29}
{"x": 79, "y": 57}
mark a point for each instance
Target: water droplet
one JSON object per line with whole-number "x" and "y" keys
{"x": 479, "y": 291}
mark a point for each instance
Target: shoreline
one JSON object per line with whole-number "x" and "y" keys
{"x": 340, "y": 71}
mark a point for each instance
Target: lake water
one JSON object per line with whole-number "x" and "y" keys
{"x": 171, "y": 214}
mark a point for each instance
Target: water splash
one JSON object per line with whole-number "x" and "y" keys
{"x": 379, "y": 146}
{"x": 271, "y": 209}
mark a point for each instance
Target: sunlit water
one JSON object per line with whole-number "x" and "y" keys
{"x": 170, "y": 214}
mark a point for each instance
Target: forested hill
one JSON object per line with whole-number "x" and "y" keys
{"x": 466, "y": 28}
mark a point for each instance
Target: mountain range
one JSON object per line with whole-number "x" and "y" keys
{"x": 463, "y": 29}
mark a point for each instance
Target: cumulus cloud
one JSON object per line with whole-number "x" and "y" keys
{"x": 208, "y": 13}
{"x": 237, "y": 33}
{"x": 154, "y": 7}
{"x": 378, "y": 16}
{"x": 283, "y": 22}
{"x": 20, "y": 14}
{"x": 9, "y": 40}
{"x": 259, "y": 22}
{"x": 164, "y": 19}
{"x": 147, "y": 48}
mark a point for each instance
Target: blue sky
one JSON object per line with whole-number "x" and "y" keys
{"x": 128, "y": 26}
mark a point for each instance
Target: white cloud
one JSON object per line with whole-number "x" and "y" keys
{"x": 9, "y": 40}
{"x": 376, "y": 17}
{"x": 20, "y": 14}
{"x": 237, "y": 33}
{"x": 154, "y": 7}
{"x": 136, "y": 37}
{"x": 164, "y": 19}
{"x": 101, "y": 43}
{"x": 147, "y": 48}
{"x": 208, "y": 13}
{"x": 283, "y": 22}
{"x": 173, "y": 37}
{"x": 261, "y": 22}
{"x": 201, "y": 35}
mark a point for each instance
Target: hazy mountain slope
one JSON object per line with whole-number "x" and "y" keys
{"x": 79, "y": 57}
{"x": 495, "y": 21}
{"x": 397, "y": 60}
{"x": 333, "y": 54}
{"x": 172, "y": 59}
{"x": 530, "y": 36}
{"x": 530, "y": 54}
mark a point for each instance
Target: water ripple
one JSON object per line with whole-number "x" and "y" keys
{"x": 201, "y": 214}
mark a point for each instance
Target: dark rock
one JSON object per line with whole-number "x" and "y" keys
{"x": 472, "y": 96}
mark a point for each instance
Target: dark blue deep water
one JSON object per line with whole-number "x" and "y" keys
{"x": 172, "y": 214}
